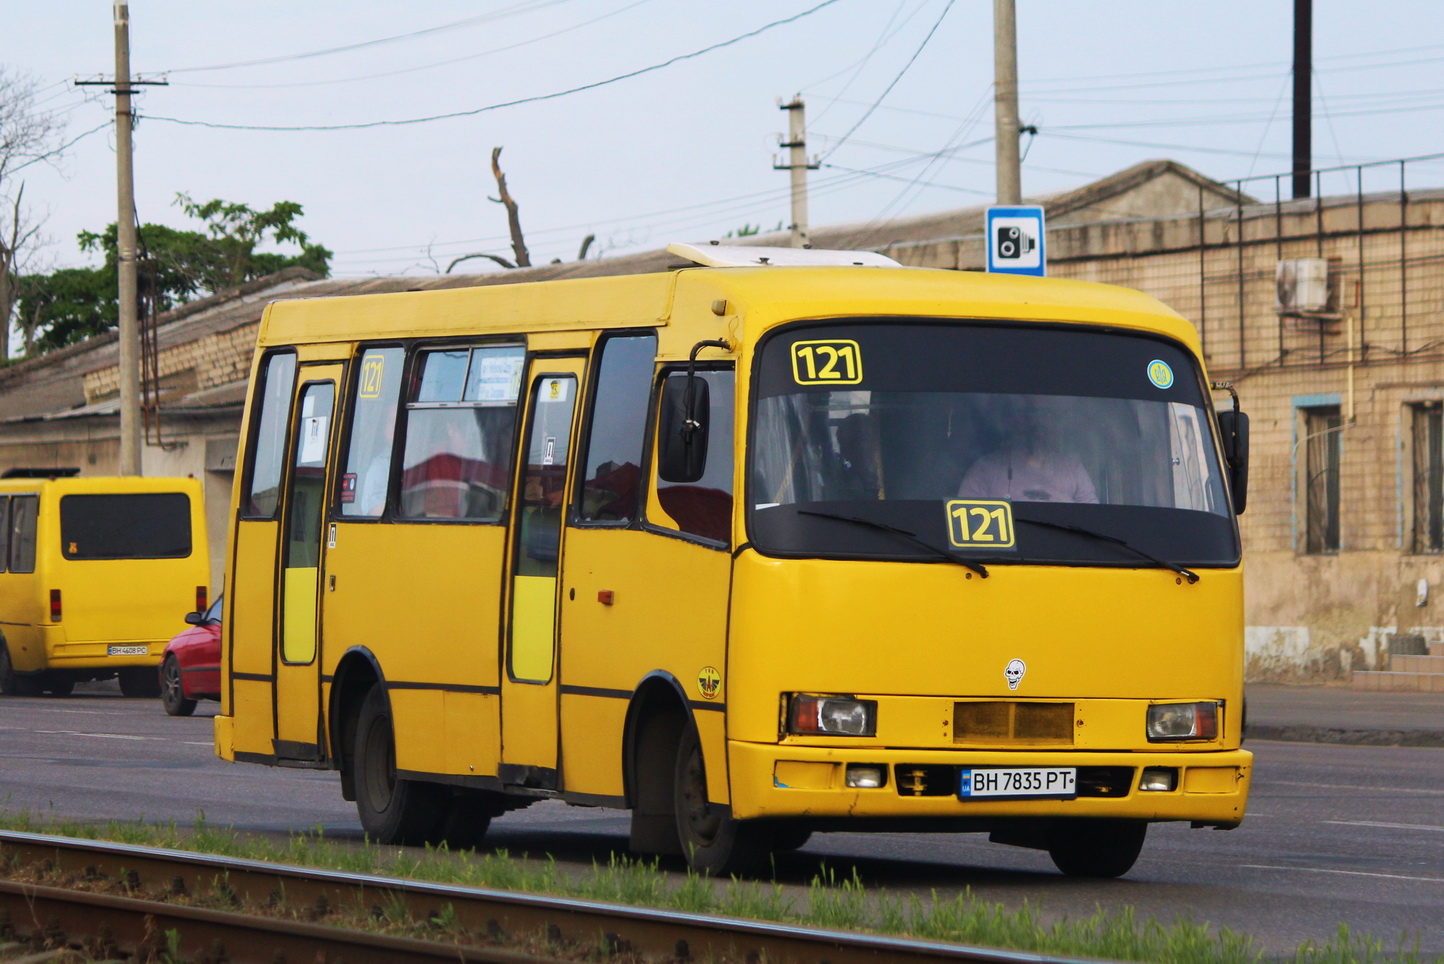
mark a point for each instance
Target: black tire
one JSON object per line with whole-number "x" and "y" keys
{"x": 172, "y": 690}
{"x": 58, "y": 684}
{"x": 392, "y": 810}
{"x": 1096, "y": 848}
{"x": 139, "y": 682}
{"x": 13, "y": 683}
{"x": 713, "y": 843}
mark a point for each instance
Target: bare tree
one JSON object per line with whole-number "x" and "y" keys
{"x": 513, "y": 219}
{"x": 28, "y": 135}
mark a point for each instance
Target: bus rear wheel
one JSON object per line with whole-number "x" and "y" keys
{"x": 11, "y": 682}
{"x": 712, "y": 841}
{"x": 139, "y": 682}
{"x": 1096, "y": 848}
{"x": 392, "y": 810}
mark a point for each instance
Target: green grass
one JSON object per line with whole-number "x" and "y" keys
{"x": 841, "y": 903}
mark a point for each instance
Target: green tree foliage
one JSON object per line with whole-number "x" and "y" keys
{"x": 176, "y": 266}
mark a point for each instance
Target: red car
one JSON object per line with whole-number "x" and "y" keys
{"x": 191, "y": 667}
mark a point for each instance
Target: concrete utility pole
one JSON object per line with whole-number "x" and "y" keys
{"x": 1303, "y": 100}
{"x": 796, "y": 144}
{"x": 125, "y": 255}
{"x": 1005, "y": 101}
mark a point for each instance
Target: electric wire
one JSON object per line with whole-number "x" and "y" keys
{"x": 883, "y": 96}
{"x": 513, "y": 103}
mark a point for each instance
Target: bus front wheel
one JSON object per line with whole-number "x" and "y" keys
{"x": 713, "y": 842}
{"x": 1096, "y": 848}
{"x": 392, "y": 810}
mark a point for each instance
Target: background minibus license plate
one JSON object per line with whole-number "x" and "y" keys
{"x": 128, "y": 650}
{"x": 1018, "y": 782}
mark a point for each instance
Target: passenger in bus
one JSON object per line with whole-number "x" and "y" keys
{"x": 859, "y": 456}
{"x": 1031, "y": 465}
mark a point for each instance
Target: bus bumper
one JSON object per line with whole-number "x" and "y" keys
{"x": 771, "y": 781}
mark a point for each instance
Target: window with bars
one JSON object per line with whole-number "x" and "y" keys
{"x": 1322, "y": 445}
{"x": 1428, "y": 481}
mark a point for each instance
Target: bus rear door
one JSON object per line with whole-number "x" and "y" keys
{"x": 529, "y": 685}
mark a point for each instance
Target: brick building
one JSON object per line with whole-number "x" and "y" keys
{"x": 1338, "y": 357}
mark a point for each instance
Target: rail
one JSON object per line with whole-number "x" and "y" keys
{"x": 140, "y": 901}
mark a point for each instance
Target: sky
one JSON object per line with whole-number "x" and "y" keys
{"x": 643, "y": 122}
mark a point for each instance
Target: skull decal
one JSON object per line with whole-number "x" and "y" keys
{"x": 1014, "y": 672}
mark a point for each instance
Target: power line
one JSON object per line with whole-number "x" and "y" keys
{"x": 497, "y": 15}
{"x": 421, "y": 67}
{"x": 512, "y": 103}
{"x": 881, "y": 97}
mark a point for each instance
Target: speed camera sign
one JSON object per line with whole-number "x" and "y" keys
{"x": 1015, "y": 240}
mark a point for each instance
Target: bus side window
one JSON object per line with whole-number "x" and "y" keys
{"x": 263, "y": 489}
{"x": 4, "y": 533}
{"x": 617, "y": 432}
{"x": 704, "y": 508}
{"x": 460, "y": 427}
{"x": 371, "y": 433}
{"x": 23, "y": 513}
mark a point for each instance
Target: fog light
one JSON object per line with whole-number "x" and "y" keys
{"x": 836, "y": 715}
{"x": 870, "y": 777}
{"x": 1182, "y": 721}
{"x": 1159, "y": 779}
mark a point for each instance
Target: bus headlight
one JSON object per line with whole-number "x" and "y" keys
{"x": 834, "y": 715}
{"x": 1182, "y": 721}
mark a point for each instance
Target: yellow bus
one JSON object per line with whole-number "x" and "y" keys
{"x": 95, "y": 575}
{"x": 773, "y": 543}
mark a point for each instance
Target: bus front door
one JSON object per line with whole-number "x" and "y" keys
{"x": 529, "y": 686}
{"x": 298, "y": 664}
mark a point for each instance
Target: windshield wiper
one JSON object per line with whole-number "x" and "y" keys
{"x": 1188, "y": 574}
{"x": 912, "y": 537}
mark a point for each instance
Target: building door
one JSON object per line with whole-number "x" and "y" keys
{"x": 303, "y": 518}
{"x": 529, "y": 684}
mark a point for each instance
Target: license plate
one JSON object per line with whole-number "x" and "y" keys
{"x": 128, "y": 650}
{"x": 1018, "y": 782}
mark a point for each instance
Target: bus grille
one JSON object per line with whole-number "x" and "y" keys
{"x": 1005, "y": 723}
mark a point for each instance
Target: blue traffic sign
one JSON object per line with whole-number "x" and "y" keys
{"x": 1015, "y": 240}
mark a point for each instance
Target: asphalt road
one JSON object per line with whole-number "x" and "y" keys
{"x": 1334, "y": 834}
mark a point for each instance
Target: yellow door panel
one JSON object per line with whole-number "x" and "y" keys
{"x": 298, "y": 620}
{"x": 533, "y": 627}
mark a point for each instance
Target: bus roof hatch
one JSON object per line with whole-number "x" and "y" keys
{"x": 718, "y": 255}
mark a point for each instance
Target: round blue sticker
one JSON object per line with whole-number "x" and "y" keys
{"x": 1160, "y": 374}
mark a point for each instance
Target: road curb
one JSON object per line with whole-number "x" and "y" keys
{"x": 1326, "y": 734}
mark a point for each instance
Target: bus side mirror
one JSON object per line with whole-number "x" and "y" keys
{"x": 1233, "y": 429}
{"x": 682, "y": 429}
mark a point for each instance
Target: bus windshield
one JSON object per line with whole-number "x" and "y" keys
{"x": 1086, "y": 445}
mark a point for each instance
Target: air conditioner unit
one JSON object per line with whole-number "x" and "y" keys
{"x": 1302, "y": 285}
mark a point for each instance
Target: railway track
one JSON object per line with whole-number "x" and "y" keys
{"x": 122, "y": 902}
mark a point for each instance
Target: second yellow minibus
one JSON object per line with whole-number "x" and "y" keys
{"x": 752, "y": 549}
{"x": 95, "y": 575}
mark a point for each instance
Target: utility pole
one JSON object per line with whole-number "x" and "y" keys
{"x": 125, "y": 254}
{"x": 1303, "y": 101}
{"x": 796, "y": 144}
{"x": 122, "y": 86}
{"x": 1005, "y": 102}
